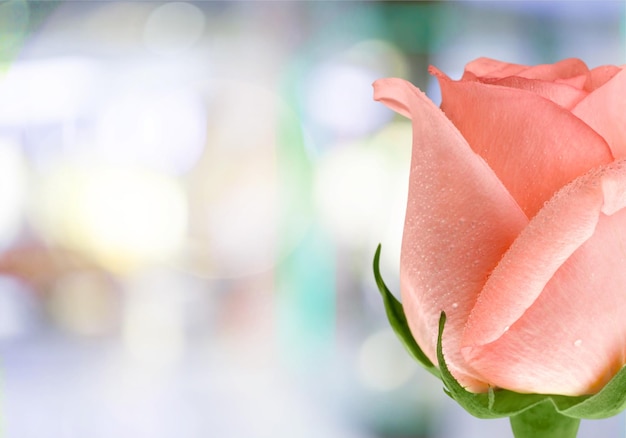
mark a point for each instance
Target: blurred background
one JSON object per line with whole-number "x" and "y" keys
{"x": 191, "y": 197}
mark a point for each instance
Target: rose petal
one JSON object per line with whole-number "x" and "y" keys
{"x": 563, "y": 273}
{"x": 605, "y": 111}
{"x": 534, "y": 146}
{"x": 491, "y": 68}
{"x": 567, "y": 68}
{"x": 560, "y": 93}
{"x": 577, "y": 82}
{"x": 459, "y": 221}
{"x": 600, "y": 76}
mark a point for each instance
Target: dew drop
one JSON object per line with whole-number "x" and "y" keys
{"x": 578, "y": 342}
{"x": 455, "y": 305}
{"x": 506, "y": 329}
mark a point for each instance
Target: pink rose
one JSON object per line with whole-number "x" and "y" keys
{"x": 516, "y": 224}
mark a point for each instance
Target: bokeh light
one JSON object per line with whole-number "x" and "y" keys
{"x": 336, "y": 100}
{"x": 153, "y": 325}
{"x": 234, "y": 192}
{"x": 45, "y": 90}
{"x": 361, "y": 187}
{"x": 20, "y": 313}
{"x": 85, "y": 303}
{"x": 350, "y": 189}
{"x": 164, "y": 130}
{"x": 173, "y": 27}
{"x": 333, "y": 90}
{"x": 383, "y": 363}
{"x": 123, "y": 218}
{"x": 241, "y": 227}
{"x": 12, "y": 190}
{"x": 14, "y": 21}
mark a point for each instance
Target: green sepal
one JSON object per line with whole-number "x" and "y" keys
{"x": 498, "y": 403}
{"x": 544, "y": 421}
{"x": 610, "y": 401}
{"x": 397, "y": 319}
{"x": 495, "y": 403}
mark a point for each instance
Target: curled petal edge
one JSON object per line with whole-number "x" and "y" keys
{"x": 513, "y": 286}
{"x": 496, "y": 402}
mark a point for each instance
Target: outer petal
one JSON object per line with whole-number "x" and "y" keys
{"x": 459, "y": 221}
{"x": 534, "y": 146}
{"x": 550, "y": 319}
{"x": 491, "y": 68}
{"x": 600, "y": 76}
{"x": 577, "y": 82}
{"x": 562, "y": 94}
{"x": 565, "y": 69}
{"x": 605, "y": 111}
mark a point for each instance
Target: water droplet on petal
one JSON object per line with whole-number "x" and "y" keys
{"x": 578, "y": 342}
{"x": 455, "y": 305}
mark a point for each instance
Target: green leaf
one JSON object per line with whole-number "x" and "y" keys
{"x": 397, "y": 319}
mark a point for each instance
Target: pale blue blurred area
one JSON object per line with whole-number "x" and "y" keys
{"x": 192, "y": 196}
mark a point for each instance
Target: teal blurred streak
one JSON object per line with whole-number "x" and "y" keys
{"x": 305, "y": 303}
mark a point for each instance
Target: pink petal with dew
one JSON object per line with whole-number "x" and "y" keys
{"x": 550, "y": 319}
{"x": 534, "y": 146}
{"x": 605, "y": 111}
{"x": 460, "y": 219}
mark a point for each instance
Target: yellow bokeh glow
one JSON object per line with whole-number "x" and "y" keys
{"x": 124, "y": 218}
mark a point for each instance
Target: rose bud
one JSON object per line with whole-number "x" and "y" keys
{"x": 516, "y": 224}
